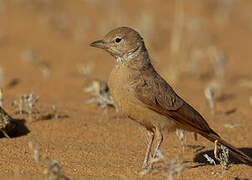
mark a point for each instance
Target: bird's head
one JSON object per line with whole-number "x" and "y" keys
{"x": 123, "y": 43}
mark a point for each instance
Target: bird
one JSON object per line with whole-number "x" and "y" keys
{"x": 145, "y": 97}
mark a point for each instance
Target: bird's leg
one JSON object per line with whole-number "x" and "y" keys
{"x": 159, "y": 141}
{"x": 159, "y": 136}
{"x": 151, "y": 137}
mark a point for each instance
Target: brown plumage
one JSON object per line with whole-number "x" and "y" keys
{"x": 144, "y": 96}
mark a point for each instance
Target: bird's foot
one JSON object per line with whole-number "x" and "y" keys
{"x": 144, "y": 166}
{"x": 147, "y": 166}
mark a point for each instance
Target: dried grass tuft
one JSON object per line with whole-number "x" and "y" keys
{"x": 168, "y": 168}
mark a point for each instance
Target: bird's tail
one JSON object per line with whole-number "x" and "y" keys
{"x": 233, "y": 150}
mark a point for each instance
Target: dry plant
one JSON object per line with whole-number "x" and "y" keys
{"x": 245, "y": 83}
{"x": 35, "y": 150}
{"x": 177, "y": 51}
{"x": 7, "y": 124}
{"x": 97, "y": 88}
{"x": 33, "y": 57}
{"x": 26, "y": 104}
{"x": 61, "y": 21}
{"x": 53, "y": 115}
{"x": 209, "y": 159}
{"x": 100, "y": 90}
{"x": 30, "y": 55}
{"x": 190, "y": 39}
{"x": 85, "y": 69}
{"x": 44, "y": 69}
{"x": 214, "y": 92}
{"x": 219, "y": 60}
{"x": 207, "y": 61}
{"x": 222, "y": 156}
{"x": 210, "y": 98}
{"x": 182, "y": 137}
{"x": 181, "y": 134}
{"x": 232, "y": 125}
{"x": 178, "y": 26}
{"x": 30, "y": 102}
{"x": 54, "y": 170}
{"x": 168, "y": 168}
{"x": 198, "y": 64}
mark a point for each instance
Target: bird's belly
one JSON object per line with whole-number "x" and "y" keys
{"x": 150, "y": 119}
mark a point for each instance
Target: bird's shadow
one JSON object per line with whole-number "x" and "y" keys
{"x": 20, "y": 130}
{"x": 199, "y": 158}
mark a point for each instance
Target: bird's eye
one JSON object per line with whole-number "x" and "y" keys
{"x": 117, "y": 40}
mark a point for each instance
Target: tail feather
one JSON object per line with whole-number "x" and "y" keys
{"x": 233, "y": 150}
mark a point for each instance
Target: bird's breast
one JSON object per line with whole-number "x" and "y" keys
{"x": 122, "y": 83}
{"x": 120, "y": 88}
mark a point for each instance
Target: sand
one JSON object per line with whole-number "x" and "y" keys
{"x": 43, "y": 46}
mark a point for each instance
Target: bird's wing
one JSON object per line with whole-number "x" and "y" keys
{"x": 157, "y": 95}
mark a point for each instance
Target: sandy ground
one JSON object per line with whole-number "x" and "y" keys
{"x": 44, "y": 49}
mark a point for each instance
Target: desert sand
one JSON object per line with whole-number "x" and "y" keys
{"x": 195, "y": 45}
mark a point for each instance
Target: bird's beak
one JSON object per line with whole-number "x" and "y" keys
{"x": 98, "y": 44}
